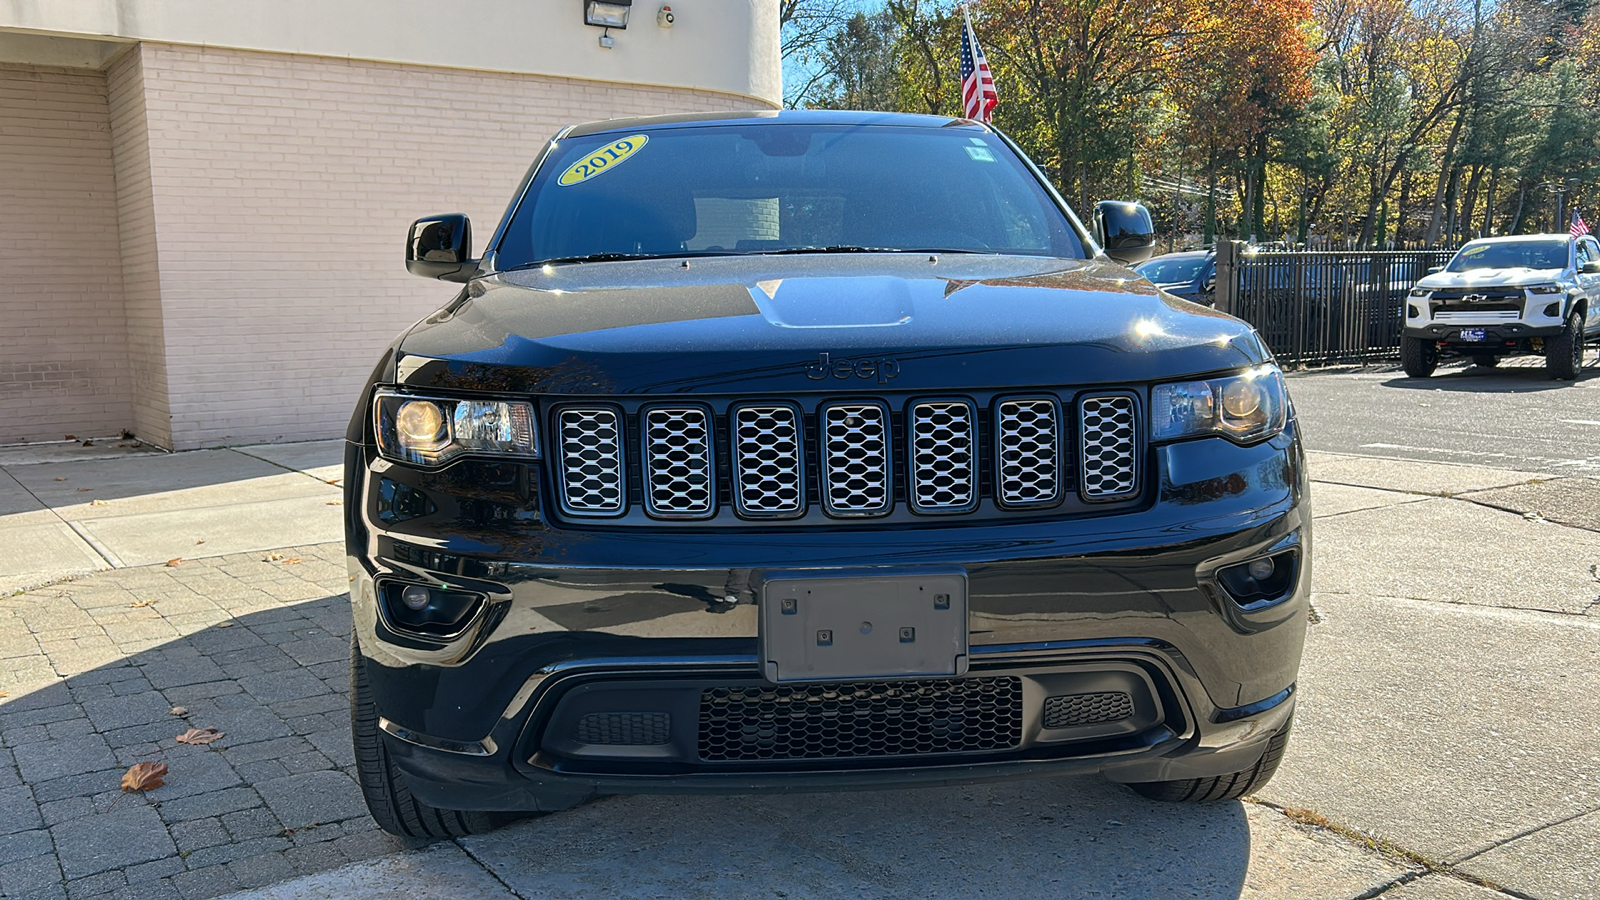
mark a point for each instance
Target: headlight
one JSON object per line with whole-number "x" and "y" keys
{"x": 1246, "y": 408}
{"x": 431, "y": 431}
{"x": 1420, "y": 292}
{"x": 1545, "y": 289}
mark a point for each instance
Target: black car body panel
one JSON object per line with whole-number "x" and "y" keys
{"x": 601, "y": 653}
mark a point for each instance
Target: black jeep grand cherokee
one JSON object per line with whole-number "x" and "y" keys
{"x": 809, "y": 451}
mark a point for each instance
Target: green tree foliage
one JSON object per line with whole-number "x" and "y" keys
{"x": 1359, "y": 122}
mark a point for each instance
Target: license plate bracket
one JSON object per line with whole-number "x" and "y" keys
{"x": 1474, "y": 334}
{"x": 841, "y": 625}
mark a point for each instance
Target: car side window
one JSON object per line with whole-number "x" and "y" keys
{"x": 1593, "y": 248}
{"x": 1583, "y": 253}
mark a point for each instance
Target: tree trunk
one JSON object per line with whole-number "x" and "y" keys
{"x": 1447, "y": 171}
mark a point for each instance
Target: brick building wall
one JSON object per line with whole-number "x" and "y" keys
{"x": 141, "y": 270}
{"x": 63, "y": 363}
{"x": 282, "y": 189}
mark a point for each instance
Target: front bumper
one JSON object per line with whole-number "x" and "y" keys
{"x": 477, "y": 720}
{"x": 1495, "y": 335}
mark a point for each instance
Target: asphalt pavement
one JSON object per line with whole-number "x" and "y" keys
{"x": 1443, "y": 747}
{"x": 1510, "y": 417}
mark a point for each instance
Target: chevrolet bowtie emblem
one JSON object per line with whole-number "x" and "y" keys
{"x": 1474, "y": 298}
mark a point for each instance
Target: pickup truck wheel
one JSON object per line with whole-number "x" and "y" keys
{"x": 1485, "y": 360}
{"x": 384, "y": 788}
{"x": 1418, "y": 356}
{"x": 1221, "y": 787}
{"x": 1563, "y": 354}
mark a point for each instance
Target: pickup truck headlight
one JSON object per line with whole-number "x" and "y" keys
{"x": 1545, "y": 289}
{"x": 431, "y": 431}
{"x": 1245, "y": 408}
{"x": 1420, "y": 292}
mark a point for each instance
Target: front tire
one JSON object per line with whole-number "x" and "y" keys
{"x": 1563, "y": 354}
{"x": 1418, "y": 356}
{"x": 383, "y": 787}
{"x": 1222, "y": 787}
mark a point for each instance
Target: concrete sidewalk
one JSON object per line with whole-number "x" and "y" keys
{"x": 67, "y": 509}
{"x": 1443, "y": 744}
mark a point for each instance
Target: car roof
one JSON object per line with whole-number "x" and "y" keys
{"x": 1520, "y": 238}
{"x": 773, "y": 117}
{"x": 1182, "y": 254}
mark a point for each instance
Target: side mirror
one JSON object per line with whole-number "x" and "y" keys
{"x": 441, "y": 247}
{"x": 1125, "y": 230}
{"x": 1591, "y": 267}
{"x": 1433, "y": 269}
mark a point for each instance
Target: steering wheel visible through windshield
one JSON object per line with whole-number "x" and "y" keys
{"x": 765, "y": 188}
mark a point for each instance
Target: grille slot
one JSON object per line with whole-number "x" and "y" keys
{"x": 1087, "y": 709}
{"x": 1471, "y": 316}
{"x": 591, "y": 461}
{"x": 855, "y": 459}
{"x": 1027, "y": 438}
{"x": 766, "y": 459}
{"x": 860, "y": 719}
{"x": 1109, "y": 447}
{"x": 679, "y": 478}
{"x": 943, "y": 477}
{"x": 629, "y": 728}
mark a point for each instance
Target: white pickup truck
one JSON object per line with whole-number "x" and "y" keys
{"x": 1503, "y": 296}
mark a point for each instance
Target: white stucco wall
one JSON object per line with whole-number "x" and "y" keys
{"x": 729, "y": 46}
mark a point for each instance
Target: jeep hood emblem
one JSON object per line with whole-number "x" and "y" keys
{"x": 883, "y": 368}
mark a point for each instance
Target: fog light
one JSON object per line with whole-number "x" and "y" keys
{"x": 1261, "y": 582}
{"x": 415, "y": 596}
{"x": 1552, "y": 311}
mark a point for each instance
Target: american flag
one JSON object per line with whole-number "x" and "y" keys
{"x": 1579, "y": 227}
{"x": 978, "y": 95}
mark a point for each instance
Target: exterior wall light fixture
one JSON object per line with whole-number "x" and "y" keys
{"x": 607, "y": 14}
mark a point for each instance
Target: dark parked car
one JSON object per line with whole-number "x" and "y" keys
{"x": 802, "y": 450}
{"x": 1190, "y": 274}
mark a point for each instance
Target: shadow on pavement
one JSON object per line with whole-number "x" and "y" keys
{"x": 274, "y": 797}
{"x": 1504, "y": 379}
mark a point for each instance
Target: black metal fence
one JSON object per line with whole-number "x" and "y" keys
{"x": 1318, "y": 307}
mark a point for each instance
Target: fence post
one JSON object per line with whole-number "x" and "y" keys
{"x": 1228, "y": 276}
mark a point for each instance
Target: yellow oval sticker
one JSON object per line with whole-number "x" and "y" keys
{"x": 602, "y": 160}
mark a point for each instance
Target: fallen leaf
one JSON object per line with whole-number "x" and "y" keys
{"x": 61, "y": 478}
{"x": 137, "y": 604}
{"x": 5, "y": 693}
{"x": 88, "y": 443}
{"x": 174, "y": 562}
{"x": 98, "y": 503}
{"x": 128, "y": 435}
{"x": 199, "y": 736}
{"x": 179, "y": 711}
{"x": 293, "y": 561}
{"x": 224, "y": 624}
{"x": 201, "y": 541}
{"x": 80, "y": 490}
{"x": 145, "y": 776}
{"x": 270, "y": 557}
{"x": 334, "y": 503}
{"x": 71, "y": 437}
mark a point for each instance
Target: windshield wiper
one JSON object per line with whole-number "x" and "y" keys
{"x": 601, "y": 257}
{"x": 831, "y": 248}
{"x": 852, "y": 248}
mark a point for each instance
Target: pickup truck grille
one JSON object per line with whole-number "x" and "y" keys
{"x": 857, "y": 458}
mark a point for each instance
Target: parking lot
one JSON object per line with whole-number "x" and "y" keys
{"x": 1443, "y": 742}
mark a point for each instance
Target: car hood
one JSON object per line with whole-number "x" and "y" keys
{"x": 814, "y": 322}
{"x": 1489, "y": 278}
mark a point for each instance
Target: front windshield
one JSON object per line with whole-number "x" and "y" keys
{"x": 1550, "y": 254}
{"x": 766, "y": 188}
{"x": 1170, "y": 271}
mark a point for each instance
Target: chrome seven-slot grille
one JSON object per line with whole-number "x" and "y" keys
{"x": 850, "y": 449}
